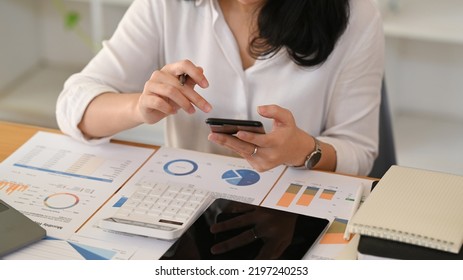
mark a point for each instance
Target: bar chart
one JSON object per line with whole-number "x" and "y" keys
{"x": 9, "y": 187}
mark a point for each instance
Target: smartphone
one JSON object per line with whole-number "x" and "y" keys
{"x": 231, "y": 126}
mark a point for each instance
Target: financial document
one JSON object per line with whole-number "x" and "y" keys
{"x": 59, "y": 183}
{"x": 320, "y": 194}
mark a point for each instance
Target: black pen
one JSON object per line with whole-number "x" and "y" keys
{"x": 182, "y": 78}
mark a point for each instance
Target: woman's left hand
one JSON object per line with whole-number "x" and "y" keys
{"x": 285, "y": 144}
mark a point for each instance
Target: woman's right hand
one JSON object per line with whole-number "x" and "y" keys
{"x": 164, "y": 95}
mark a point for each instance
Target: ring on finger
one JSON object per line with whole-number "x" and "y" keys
{"x": 254, "y": 152}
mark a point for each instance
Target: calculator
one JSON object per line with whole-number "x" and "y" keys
{"x": 159, "y": 210}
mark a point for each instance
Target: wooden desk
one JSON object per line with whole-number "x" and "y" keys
{"x": 13, "y": 135}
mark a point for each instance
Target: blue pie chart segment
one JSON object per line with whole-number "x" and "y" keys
{"x": 241, "y": 177}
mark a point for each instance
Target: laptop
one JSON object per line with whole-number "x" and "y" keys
{"x": 16, "y": 230}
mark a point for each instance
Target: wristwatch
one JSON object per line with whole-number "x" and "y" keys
{"x": 313, "y": 158}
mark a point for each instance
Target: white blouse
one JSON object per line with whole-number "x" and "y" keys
{"x": 338, "y": 102}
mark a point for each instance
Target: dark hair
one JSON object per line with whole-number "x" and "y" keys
{"x": 309, "y": 29}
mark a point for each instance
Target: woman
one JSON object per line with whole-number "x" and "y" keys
{"x": 310, "y": 70}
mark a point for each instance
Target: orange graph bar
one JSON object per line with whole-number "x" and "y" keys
{"x": 307, "y": 196}
{"x": 327, "y": 194}
{"x": 335, "y": 233}
{"x": 289, "y": 195}
{"x": 11, "y": 187}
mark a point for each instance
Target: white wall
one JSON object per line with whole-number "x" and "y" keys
{"x": 61, "y": 46}
{"x": 19, "y": 33}
{"x": 425, "y": 77}
{"x": 33, "y": 33}
{"x": 424, "y": 57}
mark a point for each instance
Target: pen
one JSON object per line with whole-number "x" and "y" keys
{"x": 182, "y": 79}
{"x": 357, "y": 200}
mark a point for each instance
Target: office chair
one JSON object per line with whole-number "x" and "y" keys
{"x": 386, "y": 152}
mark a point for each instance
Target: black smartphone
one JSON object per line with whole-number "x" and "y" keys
{"x": 231, "y": 126}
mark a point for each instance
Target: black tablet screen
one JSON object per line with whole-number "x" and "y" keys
{"x": 234, "y": 230}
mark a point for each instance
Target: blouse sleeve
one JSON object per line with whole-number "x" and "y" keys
{"x": 352, "y": 126}
{"x": 124, "y": 64}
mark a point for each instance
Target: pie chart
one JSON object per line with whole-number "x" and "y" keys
{"x": 241, "y": 177}
{"x": 61, "y": 200}
{"x": 180, "y": 167}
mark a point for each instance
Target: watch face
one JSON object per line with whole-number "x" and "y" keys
{"x": 313, "y": 159}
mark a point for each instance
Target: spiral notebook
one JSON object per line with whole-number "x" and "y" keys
{"x": 414, "y": 206}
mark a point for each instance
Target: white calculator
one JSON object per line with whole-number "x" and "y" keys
{"x": 162, "y": 211}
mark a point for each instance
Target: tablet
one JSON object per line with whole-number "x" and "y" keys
{"x": 16, "y": 230}
{"x": 254, "y": 232}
